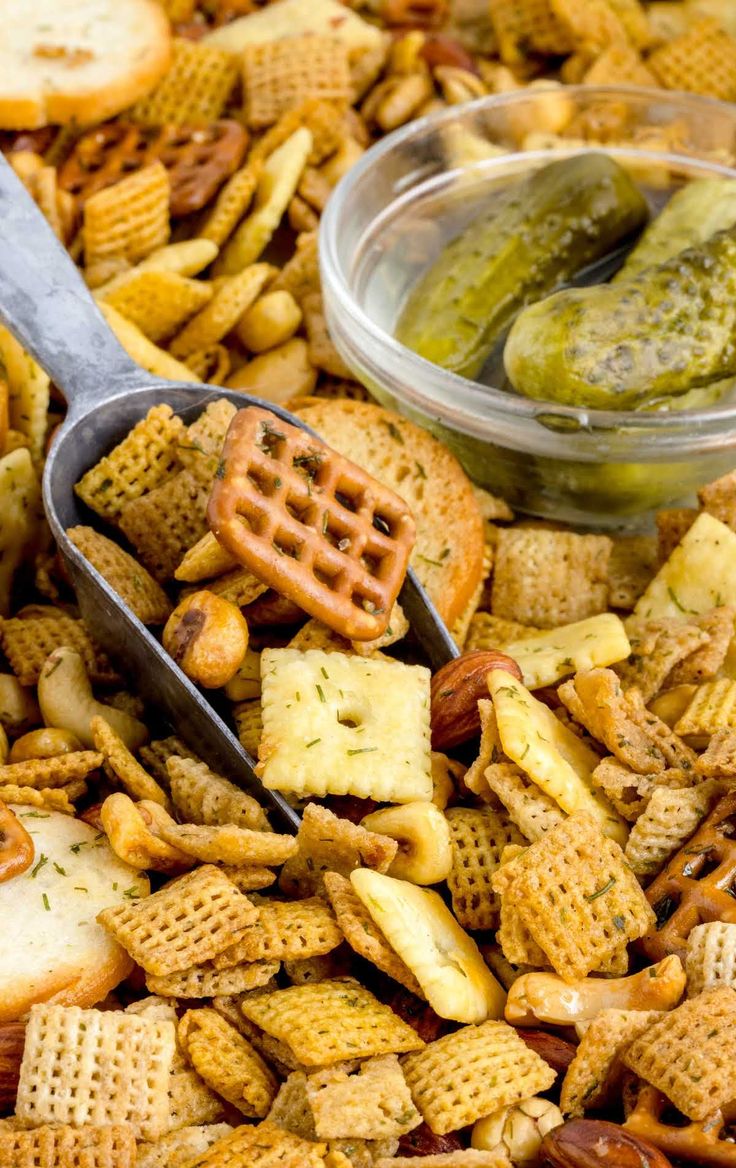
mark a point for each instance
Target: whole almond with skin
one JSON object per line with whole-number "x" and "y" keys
{"x": 594, "y": 1143}
{"x": 12, "y": 1041}
{"x": 455, "y": 691}
{"x": 555, "y": 1051}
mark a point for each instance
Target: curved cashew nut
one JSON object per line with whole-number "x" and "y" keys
{"x": 48, "y": 742}
{"x": 16, "y": 846}
{"x": 125, "y": 824}
{"x": 423, "y": 836}
{"x": 66, "y": 700}
{"x": 18, "y": 707}
{"x": 545, "y": 997}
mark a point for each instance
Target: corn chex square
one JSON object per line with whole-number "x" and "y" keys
{"x": 478, "y": 837}
{"x": 523, "y": 589}
{"x": 201, "y": 796}
{"x": 262, "y": 1145}
{"x": 204, "y": 981}
{"x": 128, "y": 220}
{"x": 133, "y": 584}
{"x": 278, "y": 75}
{"x": 330, "y": 1021}
{"x": 189, "y": 920}
{"x": 372, "y": 1104}
{"x": 89, "y": 1066}
{"x": 670, "y": 818}
{"x": 194, "y": 90}
{"x": 577, "y": 896}
{"x": 285, "y": 931}
{"x": 690, "y": 1053}
{"x": 711, "y": 957}
{"x": 227, "y": 1062}
{"x": 106, "y": 1146}
{"x": 181, "y": 1146}
{"x": 28, "y": 641}
{"x": 327, "y": 843}
{"x": 473, "y": 1072}
{"x": 595, "y": 1072}
{"x": 340, "y": 725}
{"x": 166, "y": 521}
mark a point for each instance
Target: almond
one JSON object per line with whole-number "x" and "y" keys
{"x": 594, "y": 1143}
{"x": 555, "y": 1051}
{"x": 455, "y": 691}
{"x": 12, "y": 1041}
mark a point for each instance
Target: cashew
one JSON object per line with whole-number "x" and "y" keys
{"x": 18, "y": 707}
{"x": 207, "y": 636}
{"x": 545, "y": 997}
{"x": 48, "y": 742}
{"x": 279, "y": 374}
{"x": 423, "y": 836}
{"x": 126, "y": 825}
{"x": 67, "y": 702}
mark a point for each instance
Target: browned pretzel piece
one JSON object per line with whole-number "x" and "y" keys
{"x": 697, "y": 885}
{"x": 696, "y": 1143}
{"x": 311, "y": 524}
{"x": 16, "y": 845}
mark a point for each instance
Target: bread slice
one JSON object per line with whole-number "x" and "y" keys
{"x": 82, "y": 60}
{"x": 53, "y": 949}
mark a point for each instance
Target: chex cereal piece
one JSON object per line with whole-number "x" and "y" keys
{"x": 231, "y": 204}
{"x": 41, "y": 773}
{"x": 262, "y": 1145}
{"x": 201, "y": 796}
{"x": 594, "y": 1075}
{"x": 713, "y": 708}
{"x": 705, "y": 662}
{"x": 690, "y": 1053}
{"x": 249, "y": 879}
{"x": 719, "y": 499}
{"x": 248, "y": 717}
{"x": 192, "y": 1101}
{"x": 523, "y": 590}
{"x": 28, "y": 394}
{"x": 232, "y": 298}
{"x": 363, "y": 934}
{"x": 672, "y": 524}
{"x": 670, "y": 818}
{"x": 194, "y": 90}
{"x": 28, "y": 641}
{"x": 155, "y": 754}
{"x": 633, "y": 562}
{"x": 53, "y": 800}
{"x": 657, "y": 647}
{"x": 157, "y": 302}
{"x": 710, "y": 958}
{"x": 478, "y": 838}
{"x": 467, "y": 1158}
{"x": 51, "y": 1146}
{"x": 517, "y": 943}
{"x": 719, "y": 760}
{"x": 285, "y": 930}
{"x": 371, "y": 1104}
{"x": 306, "y": 970}
{"x": 473, "y": 1072}
{"x": 239, "y": 586}
{"x": 278, "y": 75}
{"x": 204, "y": 981}
{"x": 629, "y": 792}
{"x": 133, "y": 584}
{"x": 227, "y": 1062}
{"x": 489, "y": 750}
{"x": 531, "y": 809}
{"x": 180, "y": 1147}
{"x": 577, "y": 896}
{"x": 327, "y": 843}
{"x": 340, "y": 725}
{"x": 702, "y": 60}
{"x": 89, "y": 1066}
{"x": 163, "y": 523}
{"x": 123, "y": 766}
{"x": 128, "y": 220}
{"x": 487, "y": 631}
{"x": 353, "y": 1023}
{"x": 524, "y": 26}
{"x": 187, "y": 921}
{"x": 206, "y": 558}
{"x": 353, "y": 535}
{"x": 199, "y": 451}
{"x": 143, "y": 460}
{"x": 228, "y": 844}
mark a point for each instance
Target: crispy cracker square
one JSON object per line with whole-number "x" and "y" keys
{"x": 657, "y": 647}
{"x": 201, "y": 446}
{"x": 189, "y": 920}
{"x": 473, "y": 1072}
{"x": 594, "y": 1075}
{"x": 192, "y": 1101}
{"x": 362, "y": 933}
{"x": 227, "y": 1062}
{"x": 712, "y": 708}
{"x": 327, "y": 843}
{"x": 89, "y": 1066}
{"x": 129, "y": 219}
{"x": 704, "y": 663}
{"x": 201, "y": 796}
{"x": 630, "y": 792}
{"x": 28, "y": 641}
{"x": 670, "y": 818}
{"x": 340, "y": 725}
{"x": 487, "y": 631}
{"x": 133, "y": 584}
{"x": 672, "y": 524}
{"x": 123, "y": 766}
{"x": 522, "y": 26}
{"x": 155, "y": 754}
{"x": 702, "y": 60}
{"x": 719, "y": 759}
{"x": 524, "y": 590}
{"x": 248, "y": 717}
{"x": 166, "y": 521}
{"x": 91, "y": 1146}
{"x": 50, "y": 773}
{"x": 195, "y": 88}
{"x": 690, "y": 1053}
{"x": 228, "y": 844}
{"x": 278, "y": 75}
{"x": 711, "y": 957}
{"x": 180, "y": 1147}
{"x": 478, "y": 839}
{"x": 529, "y": 807}
{"x": 262, "y": 1145}
{"x": 204, "y": 981}
{"x": 285, "y": 930}
{"x": 352, "y": 1022}
{"x": 371, "y": 1104}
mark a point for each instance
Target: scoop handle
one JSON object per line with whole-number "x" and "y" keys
{"x": 47, "y": 306}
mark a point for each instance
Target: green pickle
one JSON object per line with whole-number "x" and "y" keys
{"x": 692, "y": 215}
{"x": 558, "y": 220}
{"x": 664, "y": 332}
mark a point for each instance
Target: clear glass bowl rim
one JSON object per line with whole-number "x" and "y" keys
{"x": 464, "y": 404}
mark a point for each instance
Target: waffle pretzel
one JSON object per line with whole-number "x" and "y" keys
{"x": 696, "y": 1143}
{"x": 695, "y": 886}
{"x": 16, "y": 846}
{"x": 198, "y": 159}
{"x": 317, "y": 528}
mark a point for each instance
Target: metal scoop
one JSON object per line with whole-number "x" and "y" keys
{"x": 46, "y": 305}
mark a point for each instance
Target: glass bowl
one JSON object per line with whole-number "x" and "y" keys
{"x": 391, "y": 215}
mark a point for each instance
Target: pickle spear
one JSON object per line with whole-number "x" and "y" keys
{"x": 691, "y": 216}
{"x": 664, "y": 332}
{"x": 547, "y": 228}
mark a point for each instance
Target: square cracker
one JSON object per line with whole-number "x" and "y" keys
{"x": 133, "y": 584}
{"x": 165, "y": 522}
{"x": 690, "y": 1053}
{"x": 670, "y": 818}
{"x": 473, "y": 1072}
{"x": 277, "y": 75}
{"x": 189, "y": 920}
{"x": 194, "y": 90}
{"x": 201, "y": 796}
{"x": 284, "y": 931}
{"x": 352, "y": 1022}
{"x": 532, "y": 810}
{"x": 711, "y": 957}
{"x": 28, "y": 641}
{"x": 594, "y": 1075}
{"x": 328, "y": 843}
{"x": 478, "y": 837}
{"x": 128, "y": 220}
{"x": 108, "y": 1146}
{"x": 262, "y": 1145}
{"x": 340, "y": 725}
{"x": 227, "y": 1062}
{"x": 526, "y": 590}
{"x": 372, "y": 1104}
{"x": 89, "y": 1066}
{"x": 180, "y": 1147}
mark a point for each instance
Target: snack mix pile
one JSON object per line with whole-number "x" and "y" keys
{"x": 505, "y": 933}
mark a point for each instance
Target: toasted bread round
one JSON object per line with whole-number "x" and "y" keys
{"x": 448, "y": 556}
{"x": 53, "y": 949}
{"x": 81, "y": 60}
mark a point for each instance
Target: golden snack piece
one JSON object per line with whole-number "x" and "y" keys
{"x": 522, "y": 589}
{"x": 363, "y": 934}
{"x": 284, "y": 931}
{"x": 123, "y": 765}
{"x": 56, "y": 771}
{"x": 166, "y": 521}
{"x": 16, "y": 846}
{"x": 594, "y": 1075}
{"x": 478, "y": 839}
{"x": 132, "y": 839}
{"x": 66, "y": 1146}
{"x": 711, "y": 956}
{"x": 27, "y": 642}
{"x": 227, "y": 1062}
{"x": 327, "y": 843}
{"x": 207, "y": 637}
{"x": 204, "y": 981}
{"x": 201, "y": 796}
{"x": 373, "y": 1104}
{"x": 193, "y": 91}
{"x": 128, "y": 221}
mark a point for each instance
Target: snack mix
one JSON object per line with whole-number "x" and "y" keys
{"x": 505, "y": 932}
